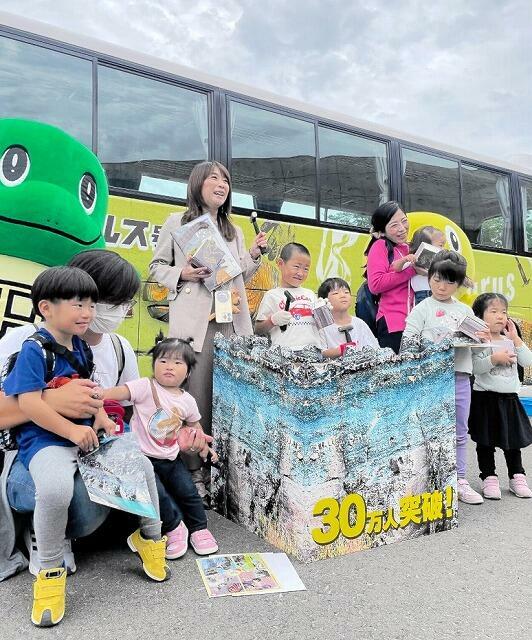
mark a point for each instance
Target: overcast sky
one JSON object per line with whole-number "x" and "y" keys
{"x": 455, "y": 71}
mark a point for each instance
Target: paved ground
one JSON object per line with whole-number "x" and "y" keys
{"x": 473, "y": 583}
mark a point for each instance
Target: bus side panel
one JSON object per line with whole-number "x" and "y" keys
{"x": 132, "y": 228}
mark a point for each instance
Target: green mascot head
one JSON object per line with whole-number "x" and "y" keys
{"x": 53, "y": 194}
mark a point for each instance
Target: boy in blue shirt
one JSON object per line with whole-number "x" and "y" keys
{"x": 48, "y": 444}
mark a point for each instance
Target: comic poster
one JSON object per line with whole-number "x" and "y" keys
{"x": 244, "y": 574}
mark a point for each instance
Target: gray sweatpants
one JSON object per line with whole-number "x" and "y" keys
{"x": 52, "y": 470}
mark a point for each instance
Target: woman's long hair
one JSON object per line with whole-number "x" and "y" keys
{"x": 380, "y": 218}
{"x": 195, "y": 204}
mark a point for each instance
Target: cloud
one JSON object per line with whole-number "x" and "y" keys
{"x": 453, "y": 72}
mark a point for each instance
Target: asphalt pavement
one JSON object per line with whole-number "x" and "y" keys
{"x": 474, "y": 582}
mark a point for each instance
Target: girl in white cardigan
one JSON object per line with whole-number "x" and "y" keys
{"x": 497, "y": 417}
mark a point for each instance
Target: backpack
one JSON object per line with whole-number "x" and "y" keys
{"x": 367, "y": 303}
{"x": 49, "y": 349}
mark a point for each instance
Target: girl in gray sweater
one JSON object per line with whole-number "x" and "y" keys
{"x": 497, "y": 417}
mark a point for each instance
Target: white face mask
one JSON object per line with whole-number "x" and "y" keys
{"x": 109, "y": 317}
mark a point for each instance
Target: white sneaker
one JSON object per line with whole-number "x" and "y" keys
{"x": 467, "y": 494}
{"x": 31, "y": 544}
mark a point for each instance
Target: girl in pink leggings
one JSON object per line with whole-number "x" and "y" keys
{"x": 432, "y": 319}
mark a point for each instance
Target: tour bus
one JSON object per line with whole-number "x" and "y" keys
{"x": 312, "y": 175}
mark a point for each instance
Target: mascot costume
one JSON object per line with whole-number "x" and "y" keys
{"x": 53, "y": 204}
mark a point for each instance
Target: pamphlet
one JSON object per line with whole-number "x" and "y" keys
{"x": 201, "y": 239}
{"x": 207, "y": 255}
{"x": 114, "y": 475}
{"x": 425, "y": 254}
{"x": 322, "y": 314}
{"x": 242, "y": 574}
{"x": 470, "y": 325}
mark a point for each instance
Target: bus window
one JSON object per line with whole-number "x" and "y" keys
{"x": 45, "y": 85}
{"x": 273, "y": 159}
{"x": 353, "y": 177}
{"x": 526, "y": 199}
{"x": 297, "y": 210}
{"x": 243, "y": 200}
{"x": 431, "y": 183}
{"x": 150, "y": 133}
{"x": 486, "y": 207}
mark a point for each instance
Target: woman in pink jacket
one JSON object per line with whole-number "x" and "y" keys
{"x": 387, "y": 275}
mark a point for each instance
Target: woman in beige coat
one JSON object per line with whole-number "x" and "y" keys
{"x": 191, "y": 303}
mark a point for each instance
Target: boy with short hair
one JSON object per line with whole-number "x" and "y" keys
{"x": 115, "y": 363}
{"x": 48, "y": 445}
{"x": 300, "y": 328}
{"x": 338, "y": 294}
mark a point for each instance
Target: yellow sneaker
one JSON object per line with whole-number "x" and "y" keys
{"x": 49, "y": 597}
{"x": 152, "y": 553}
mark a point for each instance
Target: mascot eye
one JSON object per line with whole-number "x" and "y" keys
{"x": 87, "y": 192}
{"x": 453, "y": 239}
{"x": 14, "y": 166}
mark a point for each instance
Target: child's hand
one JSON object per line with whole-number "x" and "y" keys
{"x": 343, "y": 347}
{"x": 325, "y": 301}
{"x": 103, "y": 421}
{"x": 484, "y": 335}
{"x": 281, "y": 318}
{"x": 504, "y": 358}
{"x": 109, "y": 426}
{"x": 84, "y": 437}
{"x": 214, "y": 456}
{"x": 510, "y": 331}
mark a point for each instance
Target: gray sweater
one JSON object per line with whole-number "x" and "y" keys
{"x": 433, "y": 320}
{"x": 499, "y": 378}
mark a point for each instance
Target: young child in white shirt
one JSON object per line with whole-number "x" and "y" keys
{"x": 420, "y": 282}
{"x": 294, "y": 328}
{"x": 338, "y": 294}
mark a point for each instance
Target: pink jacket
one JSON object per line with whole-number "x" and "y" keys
{"x": 395, "y": 293}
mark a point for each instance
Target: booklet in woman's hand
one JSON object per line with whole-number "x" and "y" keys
{"x": 201, "y": 239}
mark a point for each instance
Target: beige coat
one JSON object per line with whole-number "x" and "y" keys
{"x": 191, "y": 302}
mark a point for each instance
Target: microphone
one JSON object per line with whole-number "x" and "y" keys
{"x": 289, "y": 299}
{"x": 253, "y": 220}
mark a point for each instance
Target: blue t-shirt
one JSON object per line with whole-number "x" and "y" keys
{"x": 29, "y": 374}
